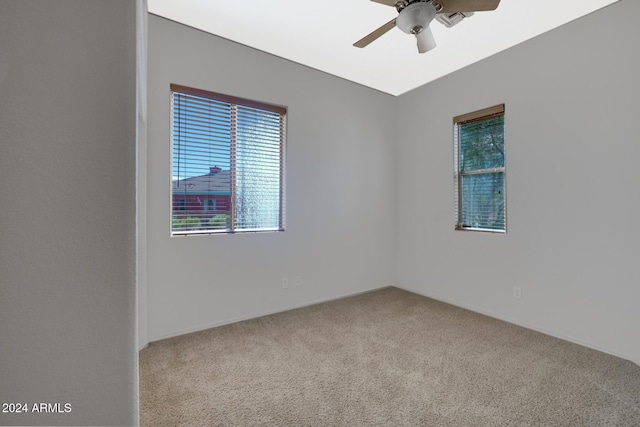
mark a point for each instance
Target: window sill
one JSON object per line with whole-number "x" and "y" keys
{"x": 484, "y": 230}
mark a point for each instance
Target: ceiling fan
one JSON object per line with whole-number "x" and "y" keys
{"x": 414, "y": 17}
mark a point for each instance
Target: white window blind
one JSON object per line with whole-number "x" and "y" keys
{"x": 227, "y": 164}
{"x": 480, "y": 170}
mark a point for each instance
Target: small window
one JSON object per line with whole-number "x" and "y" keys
{"x": 227, "y": 164}
{"x": 209, "y": 205}
{"x": 479, "y": 158}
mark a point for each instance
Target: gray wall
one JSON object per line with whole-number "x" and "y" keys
{"x": 67, "y": 212}
{"x": 340, "y": 228}
{"x": 572, "y": 150}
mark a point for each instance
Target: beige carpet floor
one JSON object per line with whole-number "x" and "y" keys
{"x": 385, "y": 358}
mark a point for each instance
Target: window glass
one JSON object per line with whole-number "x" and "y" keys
{"x": 480, "y": 170}
{"x": 227, "y": 164}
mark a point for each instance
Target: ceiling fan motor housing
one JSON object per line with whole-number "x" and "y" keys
{"x": 416, "y": 17}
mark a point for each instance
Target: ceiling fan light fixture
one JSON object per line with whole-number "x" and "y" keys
{"x": 416, "y": 17}
{"x": 426, "y": 42}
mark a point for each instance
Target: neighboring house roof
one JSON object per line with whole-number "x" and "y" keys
{"x": 217, "y": 182}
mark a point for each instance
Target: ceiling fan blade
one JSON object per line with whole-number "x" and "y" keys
{"x": 426, "y": 42}
{"x": 452, "y": 6}
{"x": 375, "y": 34}
{"x": 386, "y": 2}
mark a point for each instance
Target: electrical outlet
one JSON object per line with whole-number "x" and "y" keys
{"x": 517, "y": 292}
{"x": 285, "y": 283}
{"x": 298, "y": 281}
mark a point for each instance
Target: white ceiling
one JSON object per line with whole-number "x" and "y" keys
{"x": 320, "y": 34}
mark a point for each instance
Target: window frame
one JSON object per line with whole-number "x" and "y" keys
{"x": 234, "y": 103}
{"x": 483, "y": 114}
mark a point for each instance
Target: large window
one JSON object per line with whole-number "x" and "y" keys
{"x": 227, "y": 164}
{"x": 480, "y": 170}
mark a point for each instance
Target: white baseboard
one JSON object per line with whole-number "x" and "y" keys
{"x": 533, "y": 327}
{"x": 259, "y": 314}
